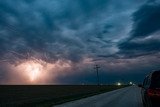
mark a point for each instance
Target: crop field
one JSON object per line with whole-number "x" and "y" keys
{"x": 47, "y": 95}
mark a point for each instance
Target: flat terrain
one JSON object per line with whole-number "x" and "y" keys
{"x": 47, "y": 95}
{"x": 125, "y": 97}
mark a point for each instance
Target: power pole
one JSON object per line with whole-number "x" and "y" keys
{"x": 96, "y": 68}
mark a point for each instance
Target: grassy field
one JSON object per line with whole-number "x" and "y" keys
{"x": 47, "y": 95}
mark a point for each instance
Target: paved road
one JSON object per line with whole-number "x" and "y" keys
{"x": 126, "y": 97}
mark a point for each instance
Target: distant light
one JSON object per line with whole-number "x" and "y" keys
{"x": 119, "y": 84}
{"x": 131, "y": 83}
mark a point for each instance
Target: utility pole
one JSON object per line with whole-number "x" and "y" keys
{"x": 97, "y": 68}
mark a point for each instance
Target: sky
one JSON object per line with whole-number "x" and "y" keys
{"x": 60, "y": 41}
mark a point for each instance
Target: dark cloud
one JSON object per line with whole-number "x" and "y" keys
{"x": 144, "y": 37}
{"x": 146, "y": 20}
{"x": 76, "y": 31}
{"x": 133, "y": 49}
{"x": 34, "y": 28}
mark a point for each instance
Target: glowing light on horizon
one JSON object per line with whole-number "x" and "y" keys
{"x": 119, "y": 84}
{"x": 131, "y": 83}
{"x": 40, "y": 72}
{"x": 34, "y": 70}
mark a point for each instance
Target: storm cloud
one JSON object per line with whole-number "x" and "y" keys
{"x": 145, "y": 33}
{"x": 110, "y": 33}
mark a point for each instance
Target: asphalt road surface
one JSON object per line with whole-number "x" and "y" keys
{"x": 125, "y": 97}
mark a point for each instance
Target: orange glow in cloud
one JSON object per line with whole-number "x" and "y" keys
{"x": 38, "y": 72}
{"x": 41, "y": 72}
{"x": 33, "y": 70}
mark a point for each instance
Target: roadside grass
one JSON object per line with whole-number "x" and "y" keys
{"x": 48, "y": 95}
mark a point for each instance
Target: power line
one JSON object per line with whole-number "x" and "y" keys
{"x": 97, "y": 72}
